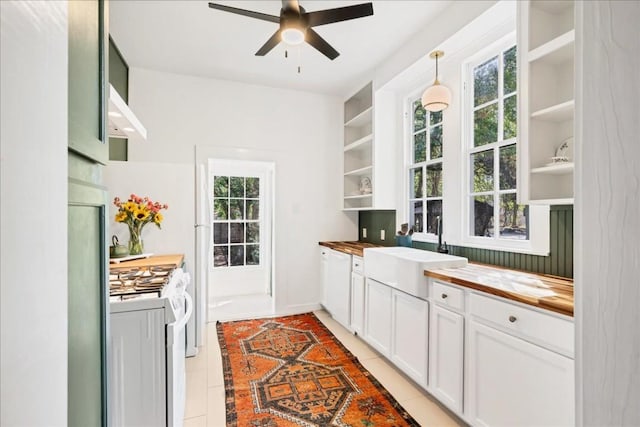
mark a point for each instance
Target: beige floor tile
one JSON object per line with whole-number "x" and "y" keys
{"x": 196, "y": 404}
{"x": 216, "y": 411}
{"x": 400, "y": 387}
{"x": 358, "y": 348}
{"x": 214, "y": 365}
{"x": 429, "y": 414}
{"x": 196, "y": 422}
{"x": 197, "y": 362}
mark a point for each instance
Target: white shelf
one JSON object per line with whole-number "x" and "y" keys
{"x": 359, "y": 142}
{"x": 556, "y": 51}
{"x": 361, "y": 171}
{"x": 566, "y": 201}
{"x": 361, "y": 119}
{"x": 363, "y": 208}
{"x": 555, "y": 169}
{"x": 556, "y": 113}
{"x": 358, "y": 196}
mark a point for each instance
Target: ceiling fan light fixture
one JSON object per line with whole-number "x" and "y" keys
{"x": 437, "y": 97}
{"x": 293, "y": 36}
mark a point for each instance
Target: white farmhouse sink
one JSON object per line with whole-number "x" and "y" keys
{"x": 403, "y": 268}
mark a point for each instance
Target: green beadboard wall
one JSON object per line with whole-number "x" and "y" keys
{"x": 374, "y": 221}
{"x": 559, "y": 262}
{"x": 119, "y": 79}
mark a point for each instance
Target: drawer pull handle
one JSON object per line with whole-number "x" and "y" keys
{"x": 357, "y": 265}
{"x": 444, "y": 296}
{"x": 512, "y": 319}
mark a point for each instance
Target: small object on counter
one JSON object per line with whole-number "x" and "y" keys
{"x": 117, "y": 250}
{"x": 404, "y": 228}
{"x": 411, "y": 232}
{"x": 403, "y": 240}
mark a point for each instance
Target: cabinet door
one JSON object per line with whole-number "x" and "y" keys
{"x": 512, "y": 382}
{"x": 446, "y": 351}
{"x": 338, "y": 287}
{"x": 357, "y": 303}
{"x": 324, "y": 275}
{"x": 410, "y": 335}
{"x": 377, "y": 316}
{"x": 138, "y": 378}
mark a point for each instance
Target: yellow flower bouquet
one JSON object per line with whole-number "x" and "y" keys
{"x": 136, "y": 213}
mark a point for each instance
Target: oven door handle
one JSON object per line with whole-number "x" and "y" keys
{"x": 188, "y": 301}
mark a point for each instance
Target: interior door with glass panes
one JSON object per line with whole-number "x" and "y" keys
{"x": 240, "y": 194}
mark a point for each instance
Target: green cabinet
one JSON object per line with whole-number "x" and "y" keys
{"x": 87, "y": 207}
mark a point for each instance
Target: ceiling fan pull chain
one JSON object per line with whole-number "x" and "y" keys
{"x": 299, "y": 60}
{"x": 286, "y": 53}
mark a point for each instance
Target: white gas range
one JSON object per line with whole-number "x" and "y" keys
{"x": 149, "y": 309}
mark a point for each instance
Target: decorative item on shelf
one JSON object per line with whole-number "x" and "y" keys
{"x": 117, "y": 250}
{"x": 437, "y": 97}
{"x": 365, "y": 185}
{"x": 564, "y": 152}
{"x": 136, "y": 213}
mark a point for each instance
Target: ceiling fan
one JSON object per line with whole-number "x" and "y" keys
{"x": 296, "y": 24}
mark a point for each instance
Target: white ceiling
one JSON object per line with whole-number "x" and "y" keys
{"x": 187, "y": 37}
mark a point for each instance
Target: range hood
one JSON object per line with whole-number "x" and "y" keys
{"x": 122, "y": 122}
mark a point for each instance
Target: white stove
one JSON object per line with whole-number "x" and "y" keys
{"x": 149, "y": 310}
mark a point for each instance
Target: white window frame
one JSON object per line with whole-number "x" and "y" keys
{"x": 409, "y": 165}
{"x": 538, "y": 243}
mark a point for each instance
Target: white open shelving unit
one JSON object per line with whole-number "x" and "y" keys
{"x": 546, "y": 43}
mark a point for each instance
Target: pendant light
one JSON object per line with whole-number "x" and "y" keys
{"x": 437, "y": 97}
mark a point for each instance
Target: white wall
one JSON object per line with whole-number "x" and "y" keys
{"x": 300, "y": 131}
{"x": 607, "y": 208}
{"x": 33, "y": 212}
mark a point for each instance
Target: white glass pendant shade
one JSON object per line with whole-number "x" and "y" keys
{"x": 436, "y": 97}
{"x": 293, "y": 36}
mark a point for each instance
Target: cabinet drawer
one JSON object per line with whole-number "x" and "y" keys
{"x": 448, "y": 296}
{"x": 357, "y": 264}
{"x": 545, "y": 329}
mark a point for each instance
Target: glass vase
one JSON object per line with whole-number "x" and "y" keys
{"x": 136, "y": 246}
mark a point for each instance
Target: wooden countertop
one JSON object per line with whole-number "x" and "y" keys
{"x": 474, "y": 275}
{"x": 175, "y": 259}
{"x": 351, "y": 248}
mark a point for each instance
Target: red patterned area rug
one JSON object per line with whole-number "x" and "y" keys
{"x": 291, "y": 371}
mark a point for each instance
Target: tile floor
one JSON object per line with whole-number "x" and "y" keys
{"x": 205, "y": 383}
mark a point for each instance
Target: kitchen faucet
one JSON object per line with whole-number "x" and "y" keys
{"x": 441, "y": 248}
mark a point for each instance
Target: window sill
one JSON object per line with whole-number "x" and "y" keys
{"x": 519, "y": 247}
{"x": 424, "y": 237}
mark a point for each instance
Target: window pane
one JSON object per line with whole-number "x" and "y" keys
{"x": 237, "y": 186}
{"x": 436, "y": 142}
{"x": 220, "y": 256}
{"x": 482, "y": 171}
{"x": 416, "y": 216}
{"x": 237, "y": 232}
{"x": 482, "y": 216}
{"x": 253, "y": 232}
{"x": 434, "y": 210}
{"x": 416, "y": 183}
{"x": 420, "y": 147}
{"x": 220, "y": 186}
{"x": 510, "y": 70}
{"x": 510, "y": 117}
{"x": 253, "y": 254}
{"x": 435, "y": 117}
{"x": 236, "y": 209}
{"x": 253, "y": 188}
{"x": 221, "y": 233}
{"x": 508, "y": 167}
{"x": 237, "y": 255}
{"x": 485, "y": 82}
{"x": 485, "y": 125}
{"x": 434, "y": 180}
{"x": 253, "y": 209}
{"x": 220, "y": 209}
{"x": 419, "y": 116}
{"x": 513, "y": 218}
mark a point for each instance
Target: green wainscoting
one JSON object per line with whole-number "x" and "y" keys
{"x": 559, "y": 262}
{"x": 374, "y": 221}
{"x": 119, "y": 79}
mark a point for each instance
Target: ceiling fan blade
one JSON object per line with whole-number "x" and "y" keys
{"x": 329, "y": 16}
{"x": 270, "y": 44}
{"x": 291, "y": 5}
{"x": 321, "y": 44}
{"x": 244, "y": 12}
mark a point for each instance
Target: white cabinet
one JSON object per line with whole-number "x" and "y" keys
{"x": 357, "y": 296}
{"x": 520, "y": 370}
{"x": 410, "y": 331}
{"x": 546, "y": 45}
{"x": 446, "y": 356}
{"x": 338, "y": 283}
{"x": 377, "y": 316}
{"x": 324, "y": 274}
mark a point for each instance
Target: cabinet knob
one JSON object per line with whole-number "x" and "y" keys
{"x": 444, "y": 296}
{"x": 357, "y": 265}
{"x": 512, "y": 319}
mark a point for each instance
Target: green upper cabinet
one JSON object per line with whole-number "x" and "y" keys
{"x": 87, "y": 88}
